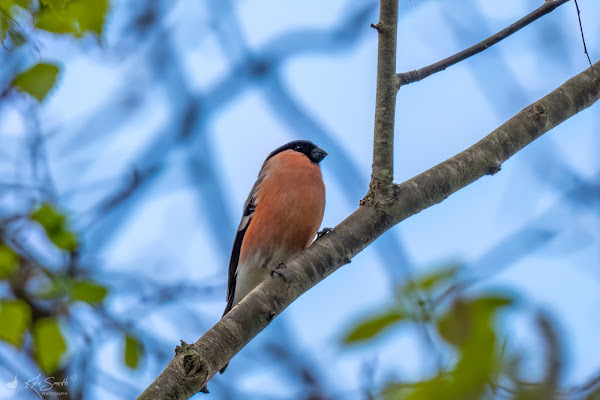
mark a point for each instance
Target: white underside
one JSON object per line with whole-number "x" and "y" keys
{"x": 253, "y": 271}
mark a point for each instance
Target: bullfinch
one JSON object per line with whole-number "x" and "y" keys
{"x": 281, "y": 216}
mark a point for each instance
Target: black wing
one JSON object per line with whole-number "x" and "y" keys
{"x": 249, "y": 207}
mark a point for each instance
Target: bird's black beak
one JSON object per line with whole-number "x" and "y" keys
{"x": 317, "y": 154}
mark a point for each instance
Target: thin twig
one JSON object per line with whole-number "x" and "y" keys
{"x": 582, "y": 37}
{"x": 417, "y": 75}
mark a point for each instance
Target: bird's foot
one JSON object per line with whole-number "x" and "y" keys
{"x": 279, "y": 270}
{"x": 323, "y": 232}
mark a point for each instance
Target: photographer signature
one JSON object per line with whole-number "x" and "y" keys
{"x": 49, "y": 386}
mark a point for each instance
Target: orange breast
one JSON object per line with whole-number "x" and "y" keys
{"x": 290, "y": 207}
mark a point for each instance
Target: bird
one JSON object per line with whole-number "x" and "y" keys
{"x": 12, "y": 385}
{"x": 281, "y": 216}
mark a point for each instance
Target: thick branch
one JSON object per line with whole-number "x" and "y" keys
{"x": 385, "y": 102}
{"x": 415, "y": 76}
{"x": 194, "y": 365}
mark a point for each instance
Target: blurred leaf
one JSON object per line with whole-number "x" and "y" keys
{"x": 373, "y": 325}
{"x": 57, "y": 22}
{"x": 3, "y": 27}
{"x": 64, "y": 240}
{"x": 49, "y": 344}
{"x": 78, "y": 17}
{"x": 430, "y": 281}
{"x": 468, "y": 317}
{"x": 436, "y": 388}
{"x": 438, "y": 277}
{"x": 469, "y": 326}
{"x": 56, "y": 227}
{"x": 133, "y": 349}
{"x": 90, "y": 14}
{"x": 63, "y": 285}
{"x": 393, "y": 391}
{"x": 490, "y": 304}
{"x": 9, "y": 262}
{"x": 454, "y": 325}
{"x": 56, "y": 4}
{"x": 89, "y": 291}
{"x": 6, "y": 6}
{"x": 15, "y": 316}
{"x": 38, "y": 80}
{"x": 59, "y": 286}
{"x": 48, "y": 218}
{"x": 16, "y": 37}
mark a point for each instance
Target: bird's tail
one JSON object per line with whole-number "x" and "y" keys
{"x": 224, "y": 368}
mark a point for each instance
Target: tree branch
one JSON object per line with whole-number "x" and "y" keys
{"x": 194, "y": 365}
{"x": 417, "y": 75}
{"x": 385, "y": 102}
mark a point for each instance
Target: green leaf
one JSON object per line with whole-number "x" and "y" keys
{"x": 89, "y": 291}
{"x": 9, "y": 262}
{"x": 16, "y": 37}
{"x": 59, "y": 286}
{"x": 56, "y": 227}
{"x": 469, "y": 326}
{"x": 133, "y": 349}
{"x": 38, "y": 80}
{"x": 467, "y": 318}
{"x": 438, "y": 277}
{"x": 15, "y": 316}
{"x": 48, "y": 218}
{"x": 454, "y": 326}
{"x": 491, "y": 303}
{"x": 49, "y": 344}
{"x": 56, "y": 22}
{"x": 429, "y": 282}
{"x": 56, "y": 4}
{"x": 78, "y": 17}
{"x": 373, "y": 325}
{"x": 437, "y": 388}
{"x": 6, "y": 6}
{"x": 3, "y": 27}
{"x": 89, "y": 14}
{"x": 10, "y": 29}
{"x": 64, "y": 240}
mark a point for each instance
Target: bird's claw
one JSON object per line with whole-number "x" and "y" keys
{"x": 323, "y": 232}
{"x": 279, "y": 270}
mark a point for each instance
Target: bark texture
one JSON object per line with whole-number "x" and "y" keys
{"x": 382, "y": 174}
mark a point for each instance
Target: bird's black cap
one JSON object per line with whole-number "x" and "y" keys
{"x": 306, "y": 147}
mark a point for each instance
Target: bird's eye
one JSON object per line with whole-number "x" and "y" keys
{"x": 299, "y": 148}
